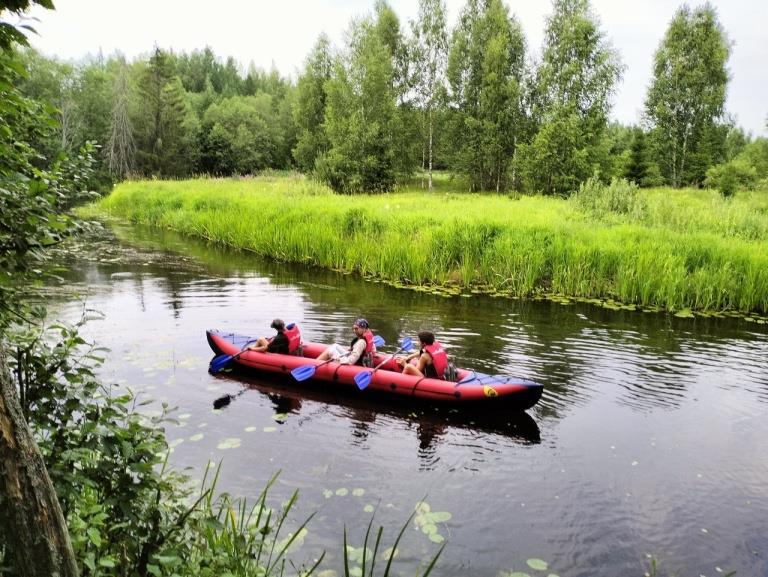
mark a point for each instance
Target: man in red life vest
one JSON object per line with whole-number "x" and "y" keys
{"x": 278, "y": 344}
{"x": 432, "y": 358}
{"x": 360, "y": 351}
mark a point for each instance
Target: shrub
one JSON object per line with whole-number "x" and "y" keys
{"x": 600, "y": 200}
{"x": 731, "y": 176}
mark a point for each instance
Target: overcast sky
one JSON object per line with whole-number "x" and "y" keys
{"x": 282, "y": 32}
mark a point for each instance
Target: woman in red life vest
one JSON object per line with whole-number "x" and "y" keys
{"x": 286, "y": 341}
{"x": 360, "y": 351}
{"x": 432, "y": 358}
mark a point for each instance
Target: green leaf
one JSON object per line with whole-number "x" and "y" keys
{"x": 537, "y": 564}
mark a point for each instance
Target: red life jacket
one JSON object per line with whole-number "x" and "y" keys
{"x": 439, "y": 358}
{"x": 369, "y": 346}
{"x": 366, "y": 359}
{"x": 294, "y": 337}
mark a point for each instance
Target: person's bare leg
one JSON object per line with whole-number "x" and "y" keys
{"x": 412, "y": 370}
{"x": 326, "y": 354}
{"x": 260, "y": 346}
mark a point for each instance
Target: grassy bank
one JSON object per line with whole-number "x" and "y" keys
{"x": 675, "y": 250}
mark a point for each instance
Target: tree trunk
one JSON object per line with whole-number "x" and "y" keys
{"x": 31, "y": 522}
{"x": 430, "y": 150}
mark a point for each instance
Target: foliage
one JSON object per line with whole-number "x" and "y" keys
{"x": 501, "y": 125}
{"x": 360, "y": 116}
{"x": 485, "y": 71}
{"x": 571, "y": 100}
{"x": 687, "y": 94}
{"x": 600, "y": 200}
{"x": 746, "y": 171}
{"x": 687, "y": 248}
{"x": 309, "y": 107}
{"x": 240, "y": 136}
{"x": 430, "y": 47}
{"x": 126, "y": 512}
{"x": 363, "y": 559}
{"x": 161, "y": 119}
{"x": 731, "y": 176}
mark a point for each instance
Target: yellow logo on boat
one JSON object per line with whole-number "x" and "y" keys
{"x": 490, "y": 391}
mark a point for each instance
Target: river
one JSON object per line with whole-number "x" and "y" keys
{"x": 650, "y": 441}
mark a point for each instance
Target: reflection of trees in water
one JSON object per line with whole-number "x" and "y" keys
{"x": 577, "y": 351}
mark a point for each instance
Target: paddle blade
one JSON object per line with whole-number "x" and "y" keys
{"x": 406, "y": 344}
{"x": 362, "y": 380}
{"x": 379, "y": 341}
{"x": 219, "y": 363}
{"x": 303, "y": 372}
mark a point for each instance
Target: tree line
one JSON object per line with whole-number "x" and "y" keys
{"x": 399, "y": 99}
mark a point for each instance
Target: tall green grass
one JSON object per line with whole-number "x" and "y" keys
{"x": 674, "y": 249}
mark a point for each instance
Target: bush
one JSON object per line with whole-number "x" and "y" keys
{"x": 600, "y": 200}
{"x": 731, "y": 176}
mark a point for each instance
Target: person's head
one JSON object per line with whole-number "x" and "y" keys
{"x": 278, "y": 325}
{"x": 361, "y": 325}
{"x": 427, "y": 338}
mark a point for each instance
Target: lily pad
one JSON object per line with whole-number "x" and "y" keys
{"x": 389, "y": 552}
{"x": 229, "y": 443}
{"x": 436, "y": 538}
{"x": 358, "y": 492}
{"x": 280, "y": 416}
{"x": 327, "y": 493}
{"x": 269, "y": 429}
{"x": 250, "y": 429}
{"x": 429, "y": 529}
{"x": 341, "y": 492}
{"x": 368, "y": 508}
{"x": 196, "y": 437}
{"x": 538, "y": 564}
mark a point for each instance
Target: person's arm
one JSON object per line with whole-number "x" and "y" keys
{"x": 356, "y": 352}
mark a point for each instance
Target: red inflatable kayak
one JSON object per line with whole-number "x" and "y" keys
{"x": 471, "y": 388}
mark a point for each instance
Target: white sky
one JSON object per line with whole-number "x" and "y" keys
{"x": 282, "y": 33}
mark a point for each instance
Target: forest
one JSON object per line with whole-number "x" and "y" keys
{"x": 405, "y": 98}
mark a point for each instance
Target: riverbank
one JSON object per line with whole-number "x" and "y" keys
{"x": 676, "y": 250}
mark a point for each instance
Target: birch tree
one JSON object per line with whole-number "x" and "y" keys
{"x": 687, "y": 93}
{"x": 430, "y": 58}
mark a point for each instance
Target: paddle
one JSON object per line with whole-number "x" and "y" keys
{"x": 218, "y": 363}
{"x": 362, "y": 380}
{"x": 305, "y": 372}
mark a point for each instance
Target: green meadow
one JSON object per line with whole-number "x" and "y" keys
{"x": 659, "y": 249}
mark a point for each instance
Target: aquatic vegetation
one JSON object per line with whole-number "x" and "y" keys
{"x": 665, "y": 249}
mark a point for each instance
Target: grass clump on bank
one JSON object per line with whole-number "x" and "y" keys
{"x": 663, "y": 248}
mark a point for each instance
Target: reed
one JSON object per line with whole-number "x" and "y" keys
{"x": 674, "y": 250}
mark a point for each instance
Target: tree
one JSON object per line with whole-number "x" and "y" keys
{"x": 573, "y": 86}
{"x": 32, "y": 523}
{"x": 430, "y": 56}
{"x": 360, "y": 117}
{"x": 485, "y": 72}
{"x": 242, "y": 135}
{"x": 120, "y": 150}
{"x": 687, "y": 93}
{"x": 309, "y": 106}
{"x": 161, "y": 119}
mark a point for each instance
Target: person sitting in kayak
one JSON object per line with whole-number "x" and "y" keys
{"x": 433, "y": 361}
{"x": 360, "y": 351}
{"x": 277, "y": 344}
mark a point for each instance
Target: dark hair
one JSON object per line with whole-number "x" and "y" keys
{"x": 278, "y": 325}
{"x": 427, "y": 337}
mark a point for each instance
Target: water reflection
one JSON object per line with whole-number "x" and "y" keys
{"x": 580, "y": 352}
{"x": 430, "y": 425}
{"x": 651, "y": 428}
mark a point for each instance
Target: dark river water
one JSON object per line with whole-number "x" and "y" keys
{"x": 650, "y": 442}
